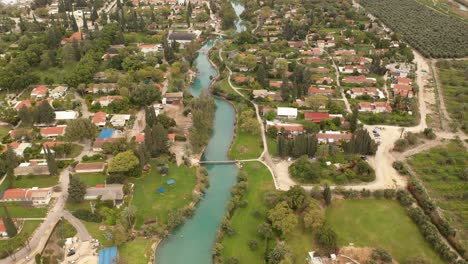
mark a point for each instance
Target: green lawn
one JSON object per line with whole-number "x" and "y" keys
{"x": 19, "y": 239}
{"x": 18, "y": 211}
{"x": 35, "y": 181}
{"x": 259, "y": 181}
{"x": 272, "y": 147}
{"x": 4, "y": 131}
{"x": 153, "y": 205}
{"x": 93, "y": 229}
{"x": 137, "y": 251}
{"x": 92, "y": 179}
{"x": 379, "y": 223}
{"x": 454, "y": 79}
{"x": 443, "y": 172}
{"x": 246, "y": 146}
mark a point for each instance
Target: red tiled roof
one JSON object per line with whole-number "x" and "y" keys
{"x": 99, "y": 117}
{"x": 404, "y": 80}
{"x": 77, "y": 35}
{"x": 53, "y": 130}
{"x": 22, "y": 104}
{"x": 316, "y": 117}
{"x": 314, "y": 90}
{"x": 42, "y": 90}
{"x": 290, "y": 128}
{"x": 171, "y": 136}
{"x": 335, "y": 137}
{"x": 403, "y": 87}
{"x": 140, "y": 137}
{"x": 15, "y": 194}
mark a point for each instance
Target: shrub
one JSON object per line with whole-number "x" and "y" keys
{"x": 253, "y": 245}
{"x": 87, "y": 215}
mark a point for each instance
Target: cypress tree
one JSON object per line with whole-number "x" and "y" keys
{"x": 85, "y": 23}
{"x": 73, "y": 23}
{"x": 285, "y": 92}
{"x": 51, "y": 162}
{"x": 327, "y": 195}
{"x": 262, "y": 76}
{"x": 9, "y": 224}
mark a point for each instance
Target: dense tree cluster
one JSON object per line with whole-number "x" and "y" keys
{"x": 203, "y": 111}
{"x": 432, "y": 33}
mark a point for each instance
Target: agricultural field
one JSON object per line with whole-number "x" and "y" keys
{"x": 432, "y": 33}
{"x": 443, "y": 173}
{"x": 453, "y": 76}
{"x": 450, "y": 7}
{"x": 379, "y": 223}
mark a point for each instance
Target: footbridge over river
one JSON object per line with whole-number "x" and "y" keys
{"x": 225, "y": 161}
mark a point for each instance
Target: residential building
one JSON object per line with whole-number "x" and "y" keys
{"x": 146, "y": 48}
{"x": 377, "y": 107}
{"x": 21, "y": 104}
{"x": 66, "y": 115}
{"x": 287, "y": 129}
{"x": 33, "y": 167}
{"x": 182, "y": 37}
{"x": 100, "y": 119}
{"x": 58, "y": 92}
{"x": 78, "y": 36}
{"x": 52, "y": 132}
{"x": 90, "y": 167}
{"x": 39, "y": 92}
{"x": 317, "y": 117}
{"x": 320, "y": 91}
{"x": 119, "y": 120}
{"x": 19, "y": 147}
{"x": 104, "y": 101}
{"x": 174, "y": 98}
{"x": 101, "y": 88}
{"x": 38, "y": 196}
{"x": 108, "y": 192}
{"x": 286, "y": 112}
{"x": 328, "y": 137}
{"x": 369, "y": 91}
{"x": 359, "y": 79}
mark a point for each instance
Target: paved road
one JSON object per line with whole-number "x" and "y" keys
{"x": 39, "y": 239}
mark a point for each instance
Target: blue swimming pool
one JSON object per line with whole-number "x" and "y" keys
{"x": 106, "y": 133}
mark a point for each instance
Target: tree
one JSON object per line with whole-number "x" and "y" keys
{"x": 9, "y": 224}
{"x": 314, "y": 216}
{"x": 326, "y": 237}
{"x": 264, "y": 230}
{"x": 74, "y": 24}
{"x": 156, "y": 140}
{"x": 297, "y": 198}
{"x": 144, "y": 95}
{"x": 45, "y": 113}
{"x": 26, "y": 116}
{"x": 124, "y": 162}
{"x": 165, "y": 121}
{"x": 361, "y": 143}
{"x": 353, "y": 121}
{"x": 128, "y": 216}
{"x": 76, "y": 190}
{"x": 327, "y": 194}
{"x": 262, "y": 76}
{"x": 278, "y": 253}
{"x": 51, "y": 162}
{"x": 85, "y": 23}
{"x": 80, "y": 129}
{"x": 283, "y": 218}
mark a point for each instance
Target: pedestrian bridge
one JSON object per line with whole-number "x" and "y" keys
{"x": 224, "y": 161}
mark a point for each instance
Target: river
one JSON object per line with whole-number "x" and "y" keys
{"x": 192, "y": 242}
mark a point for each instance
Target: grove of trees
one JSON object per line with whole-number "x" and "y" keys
{"x": 430, "y": 32}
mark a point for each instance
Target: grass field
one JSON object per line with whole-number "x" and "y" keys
{"x": 18, "y": 211}
{"x": 153, "y": 205}
{"x": 259, "y": 181}
{"x": 4, "y": 131}
{"x": 443, "y": 173}
{"x": 246, "y": 146}
{"x": 92, "y": 179}
{"x": 245, "y": 223}
{"x": 454, "y": 80}
{"x": 18, "y": 240}
{"x": 379, "y": 223}
{"x": 35, "y": 181}
{"x": 137, "y": 251}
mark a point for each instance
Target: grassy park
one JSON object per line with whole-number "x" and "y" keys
{"x": 443, "y": 173}
{"x": 137, "y": 251}
{"x": 246, "y": 146}
{"x": 379, "y": 223}
{"x": 151, "y": 204}
{"x": 259, "y": 181}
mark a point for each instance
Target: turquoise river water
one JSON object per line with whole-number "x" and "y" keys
{"x": 193, "y": 241}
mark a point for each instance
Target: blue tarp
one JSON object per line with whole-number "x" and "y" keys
{"x": 171, "y": 181}
{"x": 108, "y": 256}
{"x": 161, "y": 190}
{"x": 106, "y": 133}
